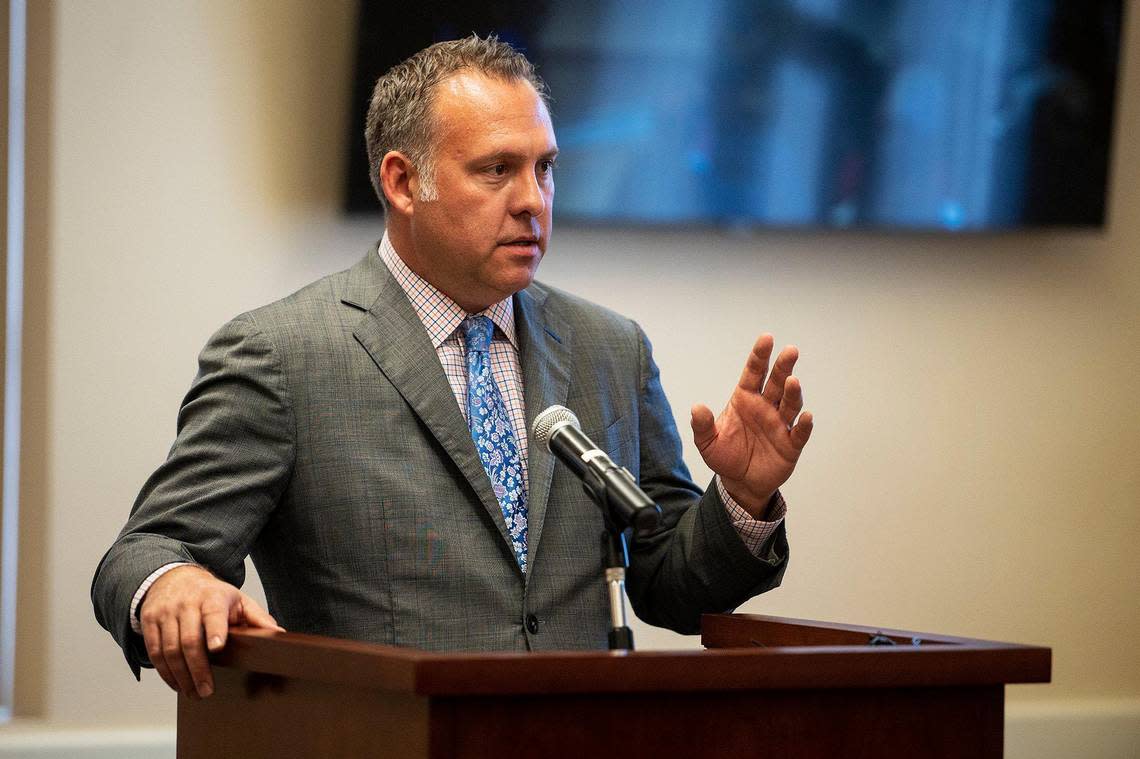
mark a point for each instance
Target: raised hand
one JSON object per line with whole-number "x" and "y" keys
{"x": 186, "y": 611}
{"x": 754, "y": 444}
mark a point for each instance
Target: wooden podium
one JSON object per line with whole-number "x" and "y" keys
{"x": 765, "y": 686}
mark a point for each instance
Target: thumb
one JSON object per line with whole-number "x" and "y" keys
{"x": 704, "y": 425}
{"x": 253, "y": 615}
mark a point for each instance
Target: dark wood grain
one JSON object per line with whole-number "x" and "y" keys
{"x": 766, "y": 686}
{"x": 253, "y": 715}
{"x": 918, "y": 723}
{"x": 726, "y": 630}
{"x": 792, "y": 657}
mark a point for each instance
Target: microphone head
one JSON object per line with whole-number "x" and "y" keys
{"x": 549, "y": 420}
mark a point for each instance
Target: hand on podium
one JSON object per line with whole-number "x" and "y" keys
{"x": 186, "y": 612}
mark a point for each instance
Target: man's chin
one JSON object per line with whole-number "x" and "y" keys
{"x": 519, "y": 278}
{"x": 521, "y": 283}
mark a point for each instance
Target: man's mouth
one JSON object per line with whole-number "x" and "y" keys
{"x": 522, "y": 242}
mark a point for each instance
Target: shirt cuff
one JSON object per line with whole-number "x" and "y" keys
{"x": 136, "y": 601}
{"x": 753, "y": 532}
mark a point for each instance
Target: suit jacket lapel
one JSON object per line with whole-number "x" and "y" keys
{"x": 544, "y": 348}
{"x": 399, "y": 345}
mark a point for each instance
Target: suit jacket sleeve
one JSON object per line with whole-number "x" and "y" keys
{"x": 206, "y": 504}
{"x": 695, "y": 563}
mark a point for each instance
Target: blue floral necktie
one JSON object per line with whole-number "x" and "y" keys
{"x": 493, "y": 433}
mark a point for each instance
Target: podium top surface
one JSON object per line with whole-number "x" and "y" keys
{"x": 743, "y": 652}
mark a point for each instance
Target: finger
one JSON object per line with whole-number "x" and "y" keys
{"x": 152, "y": 637}
{"x": 703, "y": 424}
{"x": 792, "y": 401}
{"x": 194, "y": 651}
{"x": 802, "y": 431}
{"x": 756, "y": 367}
{"x": 781, "y": 370}
{"x": 175, "y": 661}
{"x": 255, "y": 616}
{"x": 215, "y": 623}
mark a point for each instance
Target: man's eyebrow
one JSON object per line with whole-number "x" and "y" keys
{"x": 510, "y": 156}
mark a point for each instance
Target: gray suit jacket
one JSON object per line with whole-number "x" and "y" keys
{"x": 321, "y": 437}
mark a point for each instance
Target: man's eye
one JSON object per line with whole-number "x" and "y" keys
{"x": 547, "y": 166}
{"x": 499, "y": 169}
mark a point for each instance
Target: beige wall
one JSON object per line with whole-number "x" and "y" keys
{"x": 974, "y": 467}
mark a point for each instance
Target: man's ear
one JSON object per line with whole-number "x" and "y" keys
{"x": 397, "y": 177}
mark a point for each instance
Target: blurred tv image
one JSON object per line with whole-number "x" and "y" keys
{"x": 954, "y": 115}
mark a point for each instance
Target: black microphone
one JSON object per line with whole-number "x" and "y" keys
{"x": 611, "y": 486}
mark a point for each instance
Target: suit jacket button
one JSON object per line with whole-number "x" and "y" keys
{"x": 531, "y": 624}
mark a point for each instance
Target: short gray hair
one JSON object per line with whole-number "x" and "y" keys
{"x": 400, "y": 115}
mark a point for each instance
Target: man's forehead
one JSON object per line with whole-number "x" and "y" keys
{"x": 475, "y": 86}
{"x": 470, "y": 99}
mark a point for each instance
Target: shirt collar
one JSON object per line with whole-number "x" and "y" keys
{"x": 441, "y": 315}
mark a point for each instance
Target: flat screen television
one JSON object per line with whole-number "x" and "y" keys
{"x": 954, "y": 115}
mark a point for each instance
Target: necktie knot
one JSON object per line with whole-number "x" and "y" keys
{"x": 477, "y": 333}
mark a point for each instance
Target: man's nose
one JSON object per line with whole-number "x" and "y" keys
{"x": 529, "y": 197}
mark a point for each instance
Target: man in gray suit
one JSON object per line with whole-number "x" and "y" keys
{"x": 335, "y": 435}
